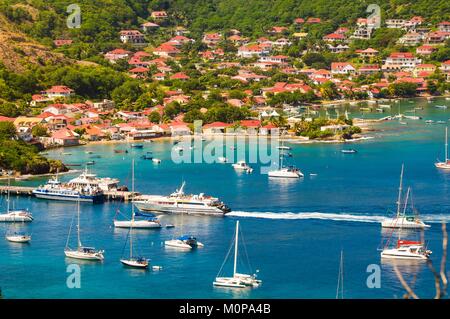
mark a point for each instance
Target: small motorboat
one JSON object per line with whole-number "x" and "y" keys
{"x": 243, "y": 166}
{"x": 178, "y": 149}
{"x": 349, "y": 151}
{"x": 170, "y": 226}
{"x": 440, "y": 106}
{"x": 90, "y": 163}
{"x": 222, "y": 159}
{"x": 429, "y": 121}
{"x": 284, "y": 147}
{"x": 88, "y": 152}
{"x": 120, "y": 151}
{"x": 137, "y": 145}
{"x": 186, "y": 242}
{"x": 156, "y": 268}
{"x": 402, "y": 123}
{"x": 156, "y": 160}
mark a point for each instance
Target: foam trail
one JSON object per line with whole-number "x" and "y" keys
{"x": 351, "y": 217}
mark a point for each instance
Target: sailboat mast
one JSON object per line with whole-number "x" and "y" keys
{"x": 9, "y": 186}
{"x": 236, "y": 248}
{"x": 132, "y": 210}
{"x": 446, "y": 144}
{"x": 400, "y": 192}
{"x": 340, "y": 285}
{"x": 78, "y": 223}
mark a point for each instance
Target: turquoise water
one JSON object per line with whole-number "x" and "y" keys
{"x": 293, "y": 231}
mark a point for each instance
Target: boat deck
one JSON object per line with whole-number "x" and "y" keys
{"x": 108, "y": 195}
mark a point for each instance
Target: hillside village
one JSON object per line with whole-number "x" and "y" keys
{"x": 229, "y": 80}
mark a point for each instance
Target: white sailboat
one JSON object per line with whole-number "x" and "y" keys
{"x": 132, "y": 261}
{"x": 446, "y": 163}
{"x": 401, "y": 220}
{"x": 82, "y": 252}
{"x": 146, "y": 222}
{"x": 406, "y": 249}
{"x": 285, "y": 172}
{"x": 16, "y": 237}
{"x": 238, "y": 280}
{"x": 15, "y": 215}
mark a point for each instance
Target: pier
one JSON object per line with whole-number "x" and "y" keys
{"x": 112, "y": 195}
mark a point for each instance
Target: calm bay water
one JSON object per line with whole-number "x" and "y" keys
{"x": 293, "y": 231}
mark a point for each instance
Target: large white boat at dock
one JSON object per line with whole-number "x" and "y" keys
{"x": 181, "y": 203}
{"x": 91, "y": 180}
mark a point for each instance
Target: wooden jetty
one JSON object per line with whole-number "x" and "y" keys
{"x": 109, "y": 195}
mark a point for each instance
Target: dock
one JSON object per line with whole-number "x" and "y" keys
{"x": 112, "y": 195}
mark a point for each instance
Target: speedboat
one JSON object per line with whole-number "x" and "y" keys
{"x": 147, "y": 156}
{"x": 18, "y": 238}
{"x": 411, "y": 222}
{"x": 286, "y": 172}
{"x": 407, "y": 250}
{"x": 184, "y": 242}
{"x": 242, "y": 165}
{"x": 180, "y": 203}
{"x": 282, "y": 147}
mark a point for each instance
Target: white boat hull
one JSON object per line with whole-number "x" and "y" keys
{"x": 134, "y": 263}
{"x": 141, "y": 224}
{"x": 442, "y": 165}
{"x": 285, "y": 174}
{"x": 179, "y": 244}
{"x": 19, "y": 238}
{"x": 395, "y": 254}
{"x": 76, "y": 254}
{"x": 403, "y": 223}
{"x": 179, "y": 209}
{"x": 16, "y": 216}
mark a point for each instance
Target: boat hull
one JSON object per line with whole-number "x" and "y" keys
{"x": 19, "y": 239}
{"x": 75, "y": 254}
{"x": 442, "y": 165}
{"x": 134, "y": 264}
{"x": 403, "y": 223}
{"x": 141, "y": 224}
{"x": 154, "y": 207}
{"x": 394, "y": 254}
{"x": 81, "y": 198}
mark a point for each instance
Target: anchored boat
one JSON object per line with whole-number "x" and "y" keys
{"x": 181, "y": 203}
{"x": 238, "y": 280}
{"x": 446, "y": 163}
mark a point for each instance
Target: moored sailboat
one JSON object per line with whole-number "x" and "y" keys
{"x": 15, "y": 215}
{"x": 238, "y": 280}
{"x": 82, "y": 252}
{"x": 446, "y": 163}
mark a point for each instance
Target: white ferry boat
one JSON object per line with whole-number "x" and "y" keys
{"x": 55, "y": 190}
{"x": 180, "y": 203}
{"x": 91, "y": 180}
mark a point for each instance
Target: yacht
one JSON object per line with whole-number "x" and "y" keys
{"x": 16, "y": 216}
{"x": 286, "y": 172}
{"x": 238, "y": 280}
{"x": 402, "y": 220}
{"x": 55, "y": 190}
{"x": 91, "y": 180}
{"x": 81, "y": 252}
{"x": 407, "y": 250}
{"x": 446, "y": 163}
{"x": 184, "y": 242}
{"x": 181, "y": 203}
{"x": 242, "y": 165}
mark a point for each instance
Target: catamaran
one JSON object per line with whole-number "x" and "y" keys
{"x": 401, "y": 220}
{"x": 81, "y": 252}
{"x": 406, "y": 249}
{"x": 146, "y": 222}
{"x": 15, "y": 215}
{"x": 180, "y": 203}
{"x": 238, "y": 280}
{"x": 285, "y": 172}
{"x": 446, "y": 163}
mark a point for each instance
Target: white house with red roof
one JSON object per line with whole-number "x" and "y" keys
{"x": 342, "y": 68}
{"x": 367, "y": 53}
{"x": 58, "y": 91}
{"x": 401, "y": 60}
{"x": 425, "y": 49}
{"x": 166, "y": 50}
{"x": 215, "y": 128}
{"x": 159, "y": 15}
{"x": 149, "y": 26}
{"x": 181, "y": 76}
{"x": 64, "y": 137}
{"x": 444, "y": 26}
{"x": 117, "y": 54}
{"x": 132, "y": 36}
{"x": 251, "y": 50}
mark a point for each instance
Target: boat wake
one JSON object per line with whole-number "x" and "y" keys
{"x": 348, "y": 217}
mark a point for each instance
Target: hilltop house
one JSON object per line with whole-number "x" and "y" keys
{"x": 425, "y": 50}
{"x": 212, "y": 39}
{"x": 400, "y": 60}
{"x": 344, "y": 68}
{"x": 132, "y": 36}
{"x": 411, "y": 39}
{"x": 117, "y": 54}
{"x": 58, "y": 91}
{"x": 444, "y": 26}
{"x": 149, "y": 26}
{"x": 159, "y": 15}
{"x": 251, "y": 50}
{"x": 166, "y": 50}
{"x": 367, "y": 53}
